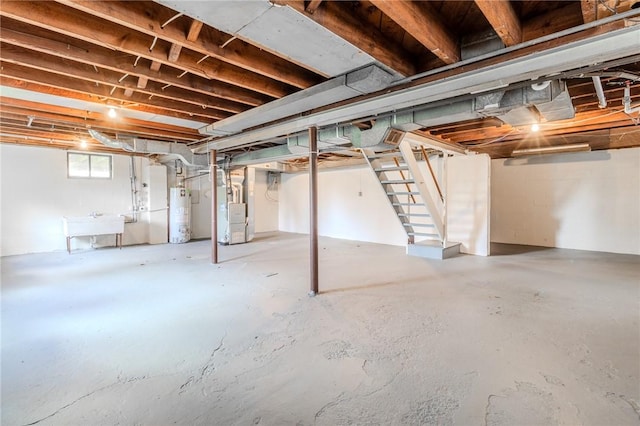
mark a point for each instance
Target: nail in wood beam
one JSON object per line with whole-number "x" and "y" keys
{"x": 214, "y": 208}
{"x": 313, "y": 209}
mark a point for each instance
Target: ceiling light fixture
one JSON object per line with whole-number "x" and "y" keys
{"x": 112, "y": 113}
{"x": 83, "y": 143}
{"x": 535, "y": 127}
{"x": 579, "y": 147}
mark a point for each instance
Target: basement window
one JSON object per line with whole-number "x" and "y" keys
{"x": 93, "y": 166}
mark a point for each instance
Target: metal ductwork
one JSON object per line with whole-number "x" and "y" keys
{"x": 272, "y": 27}
{"x": 549, "y": 100}
{"x": 362, "y": 81}
{"x": 168, "y": 150}
{"x": 560, "y": 59}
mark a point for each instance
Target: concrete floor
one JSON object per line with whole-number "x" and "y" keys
{"x": 156, "y": 335}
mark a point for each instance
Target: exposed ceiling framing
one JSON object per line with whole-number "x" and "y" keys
{"x": 168, "y": 73}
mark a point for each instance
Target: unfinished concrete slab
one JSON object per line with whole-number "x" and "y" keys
{"x": 156, "y": 335}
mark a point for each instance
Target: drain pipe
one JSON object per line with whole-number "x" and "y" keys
{"x": 134, "y": 189}
{"x": 626, "y": 101}
{"x": 602, "y": 101}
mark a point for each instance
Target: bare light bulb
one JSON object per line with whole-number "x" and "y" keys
{"x": 535, "y": 127}
{"x": 83, "y": 143}
{"x": 112, "y": 113}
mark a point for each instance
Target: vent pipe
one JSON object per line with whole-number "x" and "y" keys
{"x": 597, "y": 83}
{"x": 168, "y": 150}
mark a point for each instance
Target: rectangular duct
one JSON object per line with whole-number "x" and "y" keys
{"x": 350, "y": 85}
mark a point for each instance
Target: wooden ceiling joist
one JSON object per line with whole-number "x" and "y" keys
{"x": 101, "y": 57}
{"x": 54, "y": 90}
{"x": 98, "y": 92}
{"x": 99, "y": 122}
{"x": 340, "y": 21}
{"x": 46, "y": 63}
{"x": 422, "y": 22}
{"x": 60, "y": 19}
{"x": 143, "y": 17}
{"x": 503, "y": 19}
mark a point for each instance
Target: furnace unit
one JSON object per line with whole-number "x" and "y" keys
{"x": 235, "y": 205}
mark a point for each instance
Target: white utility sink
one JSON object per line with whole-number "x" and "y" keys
{"x": 80, "y": 226}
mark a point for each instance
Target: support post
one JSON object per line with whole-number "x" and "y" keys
{"x": 214, "y": 207}
{"x": 313, "y": 209}
{"x": 445, "y": 198}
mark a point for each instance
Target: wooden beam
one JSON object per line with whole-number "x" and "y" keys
{"x": 567, "y": 17}
{"x": 60, "y": 81}
{"x": 21, "y": 56}
{"x": 52, "y": 89}
{"x": 313, "y": 6}
{"x": 593, "y": 10}
{"x": 147, "y": 17}
{"x": 589, "y": 10}
{"x": 57, "y": 18}
{"x": 155, "y": 65}
{"x": 424, "y": 25}
{"x": 174, "y": 52}
{"x": 194, "y": 30}
{"x": 82, "y": 118}
{"x": 340, "y": 21}
{"x": 503, "y": 19}
{"x": 142, "y": 81}
{"x": 101, "y": 57}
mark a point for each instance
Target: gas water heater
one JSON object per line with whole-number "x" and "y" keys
{"x": 235, "y": 205}
{"x": 179, "y": 215}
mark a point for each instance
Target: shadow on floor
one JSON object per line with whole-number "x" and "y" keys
{"x": 361, "y": 287}
{"x": 500, "y": 249}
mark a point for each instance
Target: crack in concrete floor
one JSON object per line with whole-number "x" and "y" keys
{"x": 392, "y": 340}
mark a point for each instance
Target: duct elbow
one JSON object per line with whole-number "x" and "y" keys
{"x": 111, "y": 143}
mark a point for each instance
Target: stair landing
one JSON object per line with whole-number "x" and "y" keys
{"x": 433, "y": 249}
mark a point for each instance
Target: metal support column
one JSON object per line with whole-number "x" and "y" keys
{"x": 445, "y": 198}
{"x": 214, "y": 207}
{"x": 313, "y": 209}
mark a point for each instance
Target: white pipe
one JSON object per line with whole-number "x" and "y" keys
{"x": 626, "y": 101}
{"x": 602, "y": 101}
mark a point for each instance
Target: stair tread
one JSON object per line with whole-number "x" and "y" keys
{"x": 408, "y": 204}
{"x": 397, "y": 181}
{"x": 414, "y": 214}
{"x": 391, "y": 169}
{"x": 403, "y": 193}
{"x": 423, "y": 234}
{"x": 424, "y": 225}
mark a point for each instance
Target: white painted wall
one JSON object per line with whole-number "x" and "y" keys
{"x": 36, "y": 194}
{"x": 342, "y": 212}
{"x": 469, "y": 202}
{"x": 587, "y": 201}
{"x": 266, "y": 199}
